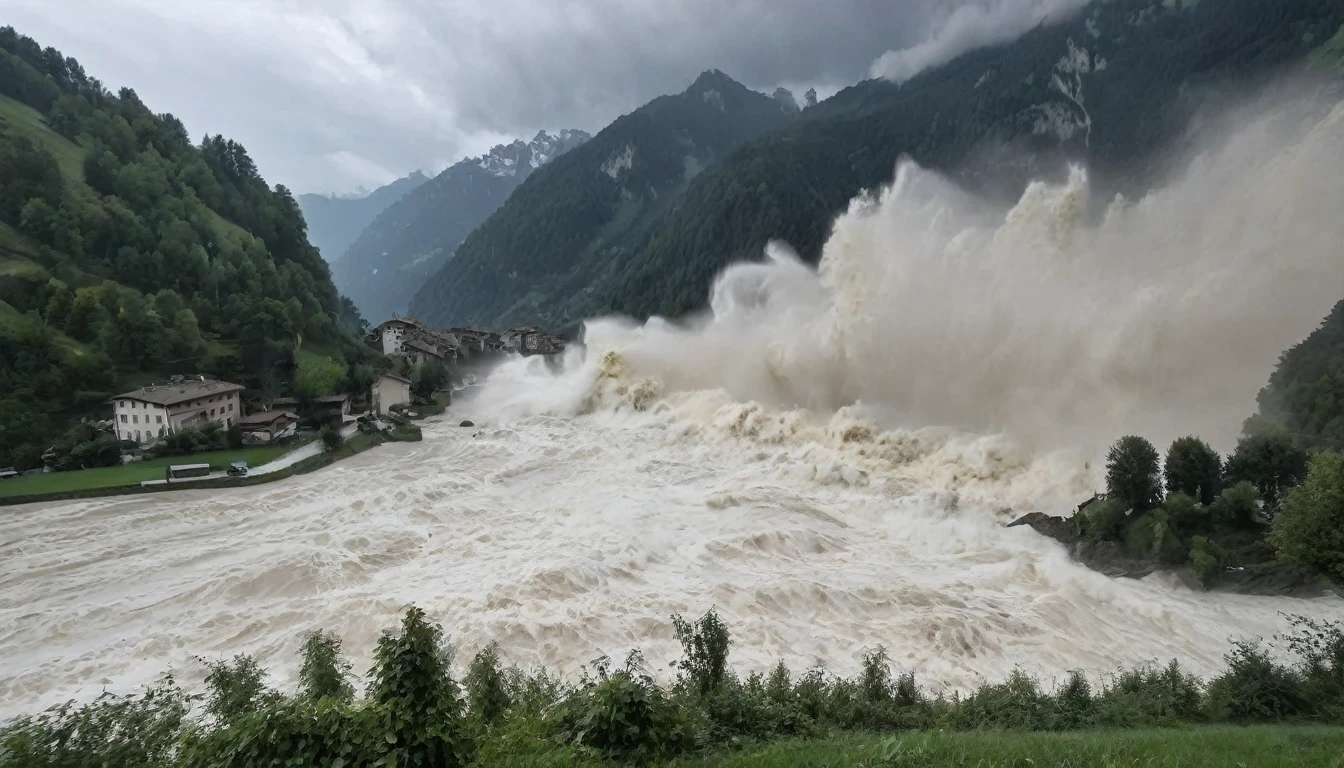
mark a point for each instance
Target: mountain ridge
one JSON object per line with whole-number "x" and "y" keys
{"x": 335, "y": 221}
{"x": 409, "y": 239}
{"x": 596, "y": 202}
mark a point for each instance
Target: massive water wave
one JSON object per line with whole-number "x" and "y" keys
{"x": 1161, "y": 316}
{"x": 828, "y": 456}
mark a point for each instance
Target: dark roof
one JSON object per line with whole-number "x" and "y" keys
{"x": 423, "y": 346}
{"x": 397, "y": 376}
{"x": 172, "y": 394}
{"x": 265, "y": 418}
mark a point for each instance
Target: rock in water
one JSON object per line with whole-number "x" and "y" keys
{"x": 467, "y": 424}
{"x": 1061, "y": 529}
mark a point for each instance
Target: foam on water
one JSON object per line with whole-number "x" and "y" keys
{"x": 828, "y": 457}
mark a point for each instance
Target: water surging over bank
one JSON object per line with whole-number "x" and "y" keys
{"x": 1161, "y": 316}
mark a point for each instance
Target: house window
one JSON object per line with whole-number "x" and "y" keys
{"x": 123, "y": 418}
{"x": 135, "y": 419}
{"x": 212, "y": 411}
{"x": 160, "y": 418}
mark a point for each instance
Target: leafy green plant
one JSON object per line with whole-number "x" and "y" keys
{"x": 1101, "y": 521}
{"x": 704, "y": 645}
{"x": 332, "y": 439}
{"x": 1237, "y": 506}
{"x": 325, "y": 673}
{"x": 487, "y": 690}
{"x": 1207, "y": 558}
{"x": 1310, "y": 527}
{"x": 235, "y": 688}
{"x": 625, "y": 716}
{"x": 416, "y": 698}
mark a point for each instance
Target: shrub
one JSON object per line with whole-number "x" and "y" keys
{"x": 1319, "y": 646}
{"x": 1148, "y": 697}
{"x": 1132, "y": 476}
{"x": 1101, "y": 521}
{"x": 235, "y": 689}
{"x": 705, "y": 646}
{"x": 1207, "y": 559}
{"x": 1185, "y": 516}
{"x": 1255, "y": 688}
{"x": 1015, "y": 704}
{"x": 332, "y": 439}
{"x": 1151, "y": 536}
{"x": 109, "y": 731}
{"x": 1269, "y": 461}
{"x": 1194, "y": 469}
{"x": 1237, "y": 506}
{"x": 416, "y": 695}
{"x": 487, "y": 692}
{"x": 1310, "y": 528}
{"x": 324, "y": 674}
{"x": 626, "y": 717}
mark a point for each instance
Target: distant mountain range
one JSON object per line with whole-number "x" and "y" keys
{"x": 334, "y": 221}
{"x": 640, "y": 219}
{"x": 565, "y": 228}
{"x": 412, "y": 237}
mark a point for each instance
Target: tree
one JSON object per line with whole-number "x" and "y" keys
{"x": 428, "y": 377}
{"x": 1309, "y": 529}
{"x": 1132, "y": 476}
{"x": 316, "y": 377}
{"x": 1269, "y": 461}
{"x": 1193, "y": 468}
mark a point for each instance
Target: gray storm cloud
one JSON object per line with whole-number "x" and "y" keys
{"x": 333, "y": 94}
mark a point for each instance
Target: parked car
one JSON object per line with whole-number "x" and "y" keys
{"x": 238, "y": 469}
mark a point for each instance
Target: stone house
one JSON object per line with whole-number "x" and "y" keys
{"x": 151, "y": 412}
{"x": 389, "y": 390}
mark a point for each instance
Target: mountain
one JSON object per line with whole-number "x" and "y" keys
{"x": 1306, "y": 391}
{"x": 128, "y": 254}
{"x": 581, "y": 216}
{"x": 335, "y": 221}
{"x": 413, "y": 237}
{"x": 1113, "y": 85}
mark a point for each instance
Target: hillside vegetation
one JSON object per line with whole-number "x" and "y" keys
{"x": 130, "y": 253}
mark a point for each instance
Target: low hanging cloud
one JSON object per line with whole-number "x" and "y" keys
{"x": 968, "y": 26}
{"x": 328, "y": 95}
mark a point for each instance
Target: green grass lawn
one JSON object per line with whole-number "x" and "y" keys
{"x": 69, "y": 155}
{"x": 1224, "y": 746}
{"x": 133, "y": 473}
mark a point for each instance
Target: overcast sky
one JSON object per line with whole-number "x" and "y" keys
{"x": 330, "y": 95}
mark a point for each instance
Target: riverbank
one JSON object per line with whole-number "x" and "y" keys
{"x": 308, "y": 457}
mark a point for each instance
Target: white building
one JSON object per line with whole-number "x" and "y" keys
{"x": 391, "y": 389}
{"x": 151, "y": 412}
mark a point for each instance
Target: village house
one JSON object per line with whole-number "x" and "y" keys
{"x": 152, "y": 412}
{"x": 391, "y": 389}
{"x": 268, "y": 426}
{"x": 478, "y": 340}
{"x": 408, "y": 337}
{"x": 529, "y": 340}
{"x": 331, "y": 408}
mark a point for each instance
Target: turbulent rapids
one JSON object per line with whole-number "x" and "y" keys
{"x": 828, "y": 456}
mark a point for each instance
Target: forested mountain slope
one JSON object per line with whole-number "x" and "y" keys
{"x": 410, "y": 240}
{"x": 335, "y": 221}
{"x": 127, "y": 254}
{"x": 566, "y": 227}
{"x": 1112, "y": 86}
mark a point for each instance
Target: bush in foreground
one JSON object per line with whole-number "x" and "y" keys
{"x": 415, "y": 712}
